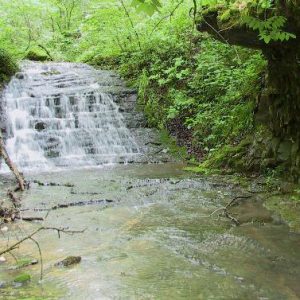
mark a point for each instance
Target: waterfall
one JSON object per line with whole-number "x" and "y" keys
{"x": 59, "y": 116}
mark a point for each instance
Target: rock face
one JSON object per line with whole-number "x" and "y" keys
{"x": 148, "y": 139}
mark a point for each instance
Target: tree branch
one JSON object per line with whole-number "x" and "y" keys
{"x": 10, "y": 164}
{"x": 30, "y": 236}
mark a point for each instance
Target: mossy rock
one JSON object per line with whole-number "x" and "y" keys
{"x": 36, "y": 56}
{"x": 22, "y": 278}
{"x": 8, "y": 66}
{"x": 69, "y": 261}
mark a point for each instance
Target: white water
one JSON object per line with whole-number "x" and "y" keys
{"x": 57, "y": 116}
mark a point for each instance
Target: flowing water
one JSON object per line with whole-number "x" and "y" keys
{"x": 59, "y": 116}
{"x": 149, "y": 231}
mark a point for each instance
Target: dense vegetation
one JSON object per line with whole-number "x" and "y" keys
{"x": 233, "y": 108}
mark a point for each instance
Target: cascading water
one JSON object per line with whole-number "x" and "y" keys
{"x": 58, "y": 116}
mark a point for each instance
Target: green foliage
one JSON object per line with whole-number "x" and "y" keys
{"x": 267, "y": 17}
{"x": 209, "y": 86}
{"x": 269, "y": 29}
{"x": 147, "y": 6}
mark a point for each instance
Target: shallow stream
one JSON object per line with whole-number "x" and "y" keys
{"x": 152, "y": 237}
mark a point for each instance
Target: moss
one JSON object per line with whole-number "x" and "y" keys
{"x": 8, "y": 66}
{"x": 25, "y": 262}
{"x": 22, "y": 278}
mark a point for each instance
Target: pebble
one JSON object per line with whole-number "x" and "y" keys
{"x": 4, "y": 229}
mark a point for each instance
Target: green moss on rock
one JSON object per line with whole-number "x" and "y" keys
{"x": 22, "y": 278}
{"x": 8, "y": 66}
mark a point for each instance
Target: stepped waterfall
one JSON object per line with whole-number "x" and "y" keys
{"x": 59, "y": 115}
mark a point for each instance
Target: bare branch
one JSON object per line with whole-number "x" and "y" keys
{"x": 29, "y": 237}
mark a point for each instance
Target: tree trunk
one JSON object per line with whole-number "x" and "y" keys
{"x": 10, "y": 164}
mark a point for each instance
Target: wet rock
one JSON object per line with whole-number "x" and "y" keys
{"x": 52, "y": 153}
{"x": 3, "y": 284}
{"x": 20, "y": 76}
{"x": 69, "y": 261}
{"x": 39, "y": 126}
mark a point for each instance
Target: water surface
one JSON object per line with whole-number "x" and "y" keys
{"x": 153, "y": 239}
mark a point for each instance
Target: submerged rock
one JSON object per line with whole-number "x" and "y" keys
{"x": 69, "y": 261}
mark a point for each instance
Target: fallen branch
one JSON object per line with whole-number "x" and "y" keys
{"x": 31, "y": 219}
{"x": 15, "y": 201}
{"x": 225, "y": 211}
{"x": 72, "y": 204}
{"x": 235, "y": 199}
{"x": 10, "y": 164}
{"x": 53, "y": 184}
{"x": 85, "y": 193}
{"x": 28, "y": 237}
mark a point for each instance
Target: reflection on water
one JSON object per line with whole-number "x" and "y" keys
{"x": 154, "y": 241}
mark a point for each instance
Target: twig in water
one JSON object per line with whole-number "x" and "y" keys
{"x": 28, "y": 237}
{"x": 225, "y": 211}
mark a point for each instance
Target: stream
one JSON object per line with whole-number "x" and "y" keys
{"x": 150, "y": 229}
